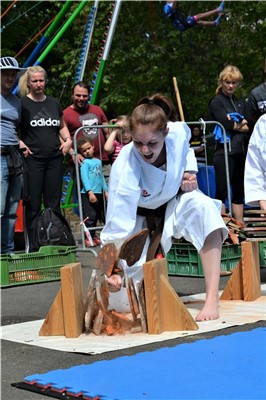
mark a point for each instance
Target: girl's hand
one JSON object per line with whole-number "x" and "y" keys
{"x": 92, "y": 197}
{"x": 189, "y": 182}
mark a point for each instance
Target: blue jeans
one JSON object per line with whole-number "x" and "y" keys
{"x": 11, "y": 186}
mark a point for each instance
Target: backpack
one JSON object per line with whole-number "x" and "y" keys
{"x": 52, "y": 229}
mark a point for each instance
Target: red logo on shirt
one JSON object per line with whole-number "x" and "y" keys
{"x": 145, "y": 193}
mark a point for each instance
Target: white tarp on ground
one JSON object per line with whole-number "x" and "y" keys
{"x": 232, "y": 313}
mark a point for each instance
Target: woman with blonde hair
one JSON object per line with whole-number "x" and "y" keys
{"x": 230, "y": 111}
{"x": 47, "y": 140}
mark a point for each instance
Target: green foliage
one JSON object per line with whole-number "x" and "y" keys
{"x": 147, "y": 51}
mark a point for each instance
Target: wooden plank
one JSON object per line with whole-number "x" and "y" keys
{"x": 254, "y": 212}
{"x": 151, "y": 286}
{"x": 254, "y": 229}
{"x": 165, "y": 311}
{"x": 130, "y": 300}
{"x": 103, "y": 301}
{"x": 244, "y": 283}
{"x": 251, "y": 271}
{"x": 175, "y": 315}
{"x": 53, "y": 324}
{"x": 97, "y": 323}
{"x": 92, "y": 310}
{"x": 106, "y": 259}
{"x": 142, "y": 305}
{"x": 254, "y": 219}
{"x": 133, "y": 296}
{"x": 234, "y": 287}
{"x": 259, "y": 239}
{"x": 72, "y": 296}
{"x": 132, "y": 248}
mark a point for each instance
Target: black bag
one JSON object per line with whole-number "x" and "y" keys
{"x": 52, "y": 229}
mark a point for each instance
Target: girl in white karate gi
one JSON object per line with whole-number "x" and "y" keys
{"x": 158, "y": 167}
{"x": 255, "y": 166}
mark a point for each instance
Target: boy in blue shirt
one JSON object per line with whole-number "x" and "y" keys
{"x": 183, "y": 22}
{"x": 94, "y": 187}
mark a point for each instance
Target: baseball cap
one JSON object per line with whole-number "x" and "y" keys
{"x": 11, "y": 63}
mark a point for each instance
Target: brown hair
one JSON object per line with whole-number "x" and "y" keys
{"x": 231, "y": 73}
{"x": 120, "y": 118}
{"x": 84, "y": 140}
{"x": 155, "y": 110}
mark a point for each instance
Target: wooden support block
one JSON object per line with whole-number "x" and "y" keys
{"x": 244, "y": 283}
{"x": 165, "y": 310}
{"x": 234, "y": 287}
{"x": 65, "y": 316}
{"x": 251, "y": 270}
{"x": 72, "y": 296}
{"x": 54, "y": 322}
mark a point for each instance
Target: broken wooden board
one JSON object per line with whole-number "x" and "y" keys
{"x": 142, "y": 305}
{"x": 132, "y": 248}
{"x": 92, "y": 310}
{"x": 106, "y": 259}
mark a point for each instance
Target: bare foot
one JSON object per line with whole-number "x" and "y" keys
{"x": 114, "y": 283}
{"x": 209, "y": 312}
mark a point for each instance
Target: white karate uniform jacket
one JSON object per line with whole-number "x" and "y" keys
{"x": 135, "y": 183}
{"x": 255, "y": 167}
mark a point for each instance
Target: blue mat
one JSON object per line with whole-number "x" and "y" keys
{"x": 224, "y": 367}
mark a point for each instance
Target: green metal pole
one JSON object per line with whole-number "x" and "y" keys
{"x": 98, "y": 81}
{"x": 61, "y": 32}
{"x": 45, "y": 39}
{"x": 58, "y": 18}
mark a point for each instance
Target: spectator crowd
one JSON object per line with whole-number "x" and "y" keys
{"x": 136, "y": 171}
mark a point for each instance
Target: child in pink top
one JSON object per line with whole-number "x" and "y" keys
{"x": 118, "y": 137}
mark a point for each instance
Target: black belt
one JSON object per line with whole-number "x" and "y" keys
{"x": 157, "y": 212}
{"x": 5, "y": 150}
{"x": 155, "y": 227}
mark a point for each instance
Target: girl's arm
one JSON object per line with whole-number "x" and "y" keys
{"x": 109, "y": 144}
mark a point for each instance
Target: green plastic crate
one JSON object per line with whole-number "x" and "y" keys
{"x": 183, "y": 259}
{"x": 41, "y": 266}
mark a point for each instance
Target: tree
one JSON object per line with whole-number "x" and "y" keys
{"x": 147, "y": 51}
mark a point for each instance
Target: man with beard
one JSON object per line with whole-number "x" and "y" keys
{"x": 80, "y": 113}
